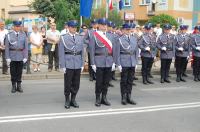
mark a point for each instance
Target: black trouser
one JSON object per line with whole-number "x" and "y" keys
{"x": 165, "y": 67}
{"x": 72, "y": 81}
{"x": 185, "y": 66}
{"x": 16, "y": 68}
{"x": 91, "y": 72}
{"x": 53, "y": 55}
{"x": 146, "y": 66}
{"x": 180, "y": 63}
{"x": 196, "y": 66}
{"x": 103, "y": 76}
{"x": 4, "y": 63}
{"x": 28, "y": 69}
{"x": 127, "y": 76}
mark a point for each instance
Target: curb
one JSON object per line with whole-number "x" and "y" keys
{"x": 83, "y": 75}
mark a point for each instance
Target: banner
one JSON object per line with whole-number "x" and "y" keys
{"x": 85, "y": 8}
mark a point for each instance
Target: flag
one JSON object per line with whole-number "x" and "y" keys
{"x": 120, "y": 5}
{"x": 110, "y": 4}
{"x": 85, "y": 8}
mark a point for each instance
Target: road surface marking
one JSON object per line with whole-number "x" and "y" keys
{"x": 51, "y": 116}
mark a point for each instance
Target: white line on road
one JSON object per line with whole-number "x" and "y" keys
{"x": 163, "y": 88}
{"x": 50, "y": 116}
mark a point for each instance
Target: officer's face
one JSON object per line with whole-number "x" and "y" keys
{"x": 184, "y": 31}
{"x": 102, "y": 27}
{"x": 72, "y": 30}
{"x": 17, "y": 28}
{"x": 167, "y": 30}
{"x": 95, "y": 26}
{"x": 126, "y": 31}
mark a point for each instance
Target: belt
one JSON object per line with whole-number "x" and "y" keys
{"x": 16, "y": 49}
{"x": 73, "y": 53}
{"x": 126, "y": 53}
{"x": 103, "y": 54}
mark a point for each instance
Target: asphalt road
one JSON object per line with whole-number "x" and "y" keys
{"x": 171, "y": 107}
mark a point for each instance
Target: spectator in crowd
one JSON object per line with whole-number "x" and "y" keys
{"x": 173, "y": 30}
{"x": 36, "y": 47}
{"x": 45, "y": 48}
{"x": 53, "y": 37}
{"x": 65, "y": 30}
{"x": 3, "y": 33}
{"x": 158, "y": 30}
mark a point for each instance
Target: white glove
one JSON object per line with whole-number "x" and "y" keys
{"x": 180, "y": 49}
{"x": 198, "y": 48}
{"x": 136, "y": 67}
{"x": 113, "y": 67}
{"x": 164, "y": 48}
{"x": 64, "y": 70}
{"x": 94, "y": 68}
{"x": 24, "y": 60}
{"x": 120, "y": 68}
{"x": 188, "y": 57}
{"x": 8, "y": 61}
{"x": 82, "y": 68}
{"x": 147, "y": 49}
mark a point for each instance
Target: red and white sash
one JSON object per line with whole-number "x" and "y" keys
{"x": 104, "y": 40}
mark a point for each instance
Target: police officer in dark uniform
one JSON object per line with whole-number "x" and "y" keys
{"x": 101, "y": 55}
{"x": 94, "y": 24}
{"x": 166, "y": 44}
{"x": 71, "y": 55}
{"x": 16, "y": 54}
{"x": 182, "y": 52}
{"x": 126, "y": 60}
{"x": 195, "y": 44}
{"x": 148, "y": 52}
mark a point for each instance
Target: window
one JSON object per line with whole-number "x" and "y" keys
{"x": 145, "y": 2}
{"x": 127, "y": 2}
{"x": 97, "y": 4}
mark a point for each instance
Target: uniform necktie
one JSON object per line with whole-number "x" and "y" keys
{"x": 73, "y": 37}
{"x": 17, "y": 34}
{"x": 128, "y": 38}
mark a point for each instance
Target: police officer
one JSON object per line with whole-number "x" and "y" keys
{"x": 182, "y": 52}
{"x": 16, "y": 54}
{"x": 147, "y": 45}
{"x": 88, "y": 37}
{"x": 126, "y": 60}
{"x": 166, "y": 44}
{"x": 3, "y": 33}
{"x": 101, "y": 55}
{"x": 195, "y": 44}
{"x": 71, "y": 55}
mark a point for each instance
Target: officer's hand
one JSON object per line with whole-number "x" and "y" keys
{"x": 188, "y": 57}
{"x": 24, "y": 60}
{"x": 147, "y": 48}
{"x": 180, "y": 49}
{"x": 82, "y": 68}
{"x": 8, "y": 61}
{"x": 113, "y": 67}
{"x": 164, "y": 48}
{"x": 120, "y": 68}
{"x": 198, "y": 48}
{"x": 64, "y": 70}
{"x": 94, "y": 68}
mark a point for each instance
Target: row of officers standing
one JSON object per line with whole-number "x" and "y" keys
{"x": 109, "y": 51}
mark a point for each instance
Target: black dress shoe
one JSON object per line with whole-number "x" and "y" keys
{"x": 162, "y": 81}
{"x": 150, "y": 76}
{"x": 13, "y": 88}
{"x": 129, "y": 100}
{"x": 98, "y": 102}
{"x": 133, "y": 84}
{"x": 74, "y": 104}
{"x": 185, "y": 75}
{"x": 182, "y": 79}
{"x": 113, "y": 78}
{"x": 135, "y": 78}
{"x": 178, "y": 79}
{"x": 5, "y": 73}
{"x": 67, "y": 102}
{"x": 196, "y": 79}
{"x": 124, "y": 99}
{"x": 167, "y": 80}
{"x": 91, "y": 79}
{"x": 104, "y": 100}
{"x": 149, "y": 81}
{"x": 19, "y": 88}
{"x": 110, "y": 84}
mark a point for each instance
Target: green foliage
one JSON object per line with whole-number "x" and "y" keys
{"x": 163, "y": 19}
{"x": 60, "y": 10}
{"x": 8, "y": 21}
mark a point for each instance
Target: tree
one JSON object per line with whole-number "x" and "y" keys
{"x": 163, "y": 19}
{"x": 60, "y": 10}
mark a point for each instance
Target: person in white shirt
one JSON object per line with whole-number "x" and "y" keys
{"x": 173, "y": 30}
{"x": 158, "y": 30}
{"x": 36, "y": 48}
{"x": 53, "y": 37}
{"x": 3, "y": 33}
{"x": 65, "y": 30}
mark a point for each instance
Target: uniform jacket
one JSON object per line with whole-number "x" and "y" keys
{"x": 195, "y": 42}
{"x": 16, "y": 46}
{"x": 127, "y": 51}
{"x": 148, "y": 40}
{"x": 68, "y": 45}
{"x": 168, "y": 41}
{"x": 97, "y": 47}
{"x": 183, "y": 41}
